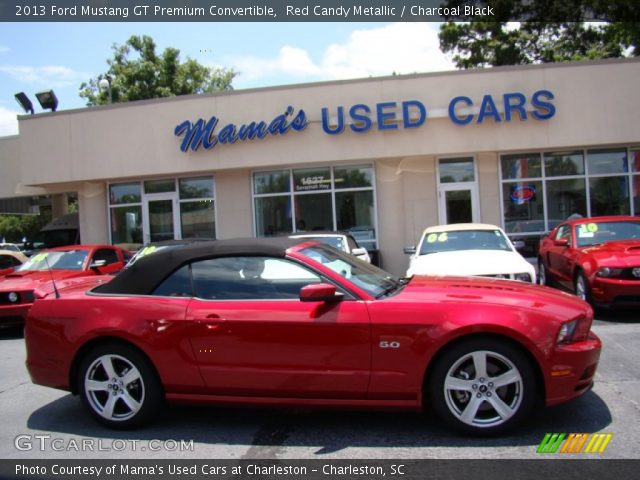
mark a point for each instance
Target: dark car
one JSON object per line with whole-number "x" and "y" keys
{"x": 597, "y": 258}
{"x": 288, "y": 322}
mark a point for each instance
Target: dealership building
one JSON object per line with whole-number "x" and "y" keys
{"x": 522, "y": 147}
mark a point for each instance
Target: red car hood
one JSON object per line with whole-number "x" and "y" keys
{"x": 21, "y": 281}
{"x": 623, "y": 253}
{"x": 504, "y": 293}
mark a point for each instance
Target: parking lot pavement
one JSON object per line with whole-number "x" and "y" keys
{"x": 40, "y": 422}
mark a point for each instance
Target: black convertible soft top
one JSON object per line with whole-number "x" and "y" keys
{"x": 145, "y": 274}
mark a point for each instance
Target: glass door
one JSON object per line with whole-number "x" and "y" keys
{"x": 457, "y": 191}
{"x": 161, "y": 220}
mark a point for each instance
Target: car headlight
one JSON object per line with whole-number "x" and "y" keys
{"x": 565, "y": 335}
{"x": 608, "y": 272}
{"x": 636, "y": 272}
{"x": 523, "y": 277}
{"x": 13, "y": 297}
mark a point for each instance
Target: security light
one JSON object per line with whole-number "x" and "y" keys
{"x": 48, "y": 100}
{"x": 24, "y": 102}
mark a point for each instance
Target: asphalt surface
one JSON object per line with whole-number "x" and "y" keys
{"x": 39, "y": 422}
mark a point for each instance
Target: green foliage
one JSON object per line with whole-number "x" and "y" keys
{"x": 137, "y": 72}
{"x": 13, "y": 228}
{"x": 553, "y": 32}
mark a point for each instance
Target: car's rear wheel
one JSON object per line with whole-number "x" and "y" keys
{"x": 581, "y": 287}
{"x": 483, "y": 386}
{"x": 119, "y": 386}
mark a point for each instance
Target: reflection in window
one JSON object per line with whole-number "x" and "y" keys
{"x": 160, "y": 186}
{"x": 126, "y": 224}
{"x": 453, "y": 170}
{"x": 198, "y": 187}
{"x": 609, "y": 196}
{"x": 522, "y": 165}
{"x": 563, "y": 164}
{"x": 569, "y": 198}
{"x": 122, "y": 193}
{"x": 197, "y": 219}
{"x": 271, "y": 182}
{"x": 273, "y": 215}
{"x": 313, "y": 212}
{"x": 353, "y": 176}
{"x": 607, "y": 161}
{"x": 355, "y": 214}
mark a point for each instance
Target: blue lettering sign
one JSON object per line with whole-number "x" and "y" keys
{"x": 406, "y": 114}
{"x": 203, "y": 133}
{"x": 326, "y": 122}
{"x": 543, "y": 110}
{"x": 452, "y": 111}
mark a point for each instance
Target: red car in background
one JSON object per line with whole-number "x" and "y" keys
{"x": 282, "y": 322}
{"x": 57, "y": 264}
{"x": 597, "y": 258}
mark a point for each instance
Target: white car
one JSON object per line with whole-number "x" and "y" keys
{"x": 340, "y": 240}
{"x": 468, "y": 249}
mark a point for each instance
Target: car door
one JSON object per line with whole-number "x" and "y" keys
{"x": 253, "y": 336}
{"x": 112, "y": 261}
{"x": 558, "y": 255}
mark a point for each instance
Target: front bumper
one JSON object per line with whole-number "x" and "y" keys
{"x": 11, "y": 315}
{"x": 615, "y": 291}
{"x": 572, "y": 369}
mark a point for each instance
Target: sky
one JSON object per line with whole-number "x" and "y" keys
{"x": 60, "y": 56}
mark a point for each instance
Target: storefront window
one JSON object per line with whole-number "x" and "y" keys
{"x": 607, "y": 161}
{"x": 522, "y": 165}
{"x": 569, "y": 198}
{"x": 199, "y": 187}
{"x": 455, "y": 170}
{"x": 353, "y": 177}
{"x": 160, "y": 186}
{"x": 271, "y": 182}
{"x": 609, "y": 196}
{"x": 122, "y": 193}
{"x": 523, "y": 206}
{"x": 563, "y": 164}
{"x": 273, "y": 216}
{"x": 197, "y": 219}
{"x": 323, "y": 198}
{"x": 126, "y": 224}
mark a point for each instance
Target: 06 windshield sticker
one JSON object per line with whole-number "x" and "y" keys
{"x": 434, "y": 237}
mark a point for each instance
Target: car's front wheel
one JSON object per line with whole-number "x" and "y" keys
{"x": 543, "y": 278}
{"x": 581, "y": 287}
{"x": 483, "y": 386}
{"x": 119, "y": 386}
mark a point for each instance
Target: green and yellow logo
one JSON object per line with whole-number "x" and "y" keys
{"x": 574, "y": 443}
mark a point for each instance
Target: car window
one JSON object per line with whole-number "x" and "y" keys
{"x": 436, "y": 242}
{"x": 563, "y": 233}
{"x": 107, "y": 254}
{"x": 178, "y": 284}
{"x": 250, "y": 278}
{"x": 67, "y": 260}
{"x": 599, "y": 232}
{"x": 8, "y": 261}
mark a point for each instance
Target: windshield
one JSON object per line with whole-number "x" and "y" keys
{"x": 599, "y": 232}
{"x": 437, "y": 242}
{"x": 67, "y": 260}
{"x": 373, "y": 280}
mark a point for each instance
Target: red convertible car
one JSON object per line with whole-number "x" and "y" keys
{"x": 57, "y": 264}
{"x": 279, "y": 322}
{"x": 598, "y": 258}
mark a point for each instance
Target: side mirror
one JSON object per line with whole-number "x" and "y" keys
{"x": 562, "y": 242}
{"x": 319, "y": 292}
{"x": 359, "y": 251}
{"x": 410, "y": 250}
{"x": 518, "y": 244}
{"x": 98, "y": 264}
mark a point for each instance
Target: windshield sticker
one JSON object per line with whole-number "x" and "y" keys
{"x": 587, "y": 230}
{"x": 434, "y": 237}
{"x": 39, "y": 257}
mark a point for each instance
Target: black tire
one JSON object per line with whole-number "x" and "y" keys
{"x": 581, "y": 287}
{"x": 480, "y": 407}
{"x": 130, "y": 396}
{"x": 543, "y": 275}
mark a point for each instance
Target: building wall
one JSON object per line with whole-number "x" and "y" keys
{"x": 9, "y": 166}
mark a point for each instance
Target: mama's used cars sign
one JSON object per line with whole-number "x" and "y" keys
{"x": 361, "y": 118}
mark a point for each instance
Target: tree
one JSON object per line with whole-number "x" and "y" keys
{"x": 138, "y": 73}
{"x": 549, "y": 31}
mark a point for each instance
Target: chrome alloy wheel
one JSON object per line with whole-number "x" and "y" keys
{"x": 582, "y": 291}
{"x": 114, "y": 387}
{"x": 483, "y": 389}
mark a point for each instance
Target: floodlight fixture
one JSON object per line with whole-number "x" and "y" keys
{"x": 48, "y": 100}
{"x": 24, "y": 102}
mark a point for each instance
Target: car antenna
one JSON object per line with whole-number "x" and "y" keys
{"x": 53, "y": 281}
